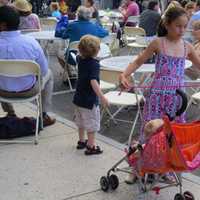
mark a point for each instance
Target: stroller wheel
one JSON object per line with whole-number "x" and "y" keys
{"x": 104, "y": 183}
{"x": 188, "y": 195}
{"x": 114, "y": 181}
{"x": 179, "y": 196}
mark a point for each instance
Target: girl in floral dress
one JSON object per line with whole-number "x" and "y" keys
{"x": 171, "y": 52}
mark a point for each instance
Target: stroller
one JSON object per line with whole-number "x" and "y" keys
{"x": 173, "y": 149}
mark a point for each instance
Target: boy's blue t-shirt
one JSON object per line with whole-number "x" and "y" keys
{"x": 88, "y": 69}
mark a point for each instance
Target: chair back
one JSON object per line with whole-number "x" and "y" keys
{"x": 48, "y": 23}
{"x": 19, "y": 68}
{"x": 134, "y": 31}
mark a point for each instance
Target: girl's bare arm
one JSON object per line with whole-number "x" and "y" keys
{"x": 133, "y": 66}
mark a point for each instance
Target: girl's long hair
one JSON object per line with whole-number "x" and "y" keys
{"x": 168, "y": 17}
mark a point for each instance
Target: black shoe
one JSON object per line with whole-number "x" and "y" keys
{"x": 93, "y": 150}
{"x": 81, "y": 145}
{"x": 47, "y": 120}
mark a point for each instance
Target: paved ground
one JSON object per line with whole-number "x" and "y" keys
{"x": 55, "y": 170}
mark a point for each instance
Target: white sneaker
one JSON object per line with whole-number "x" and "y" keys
{"x": 130, "y": 179}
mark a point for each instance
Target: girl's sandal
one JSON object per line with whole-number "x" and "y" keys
{"x": 93, "y": 150}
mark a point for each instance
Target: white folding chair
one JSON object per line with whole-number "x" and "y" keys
{"x": 131, "y": 34}
{"x": 68, "y": 67}
{"x": 121, "y": 100}
{"x": 20, "y": 68}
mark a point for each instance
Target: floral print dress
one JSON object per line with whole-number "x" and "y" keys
{"x": 162, "y": 98}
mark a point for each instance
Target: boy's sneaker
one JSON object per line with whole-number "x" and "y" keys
{"x": 93, "y": 150}
{"x": 81, "y": 145}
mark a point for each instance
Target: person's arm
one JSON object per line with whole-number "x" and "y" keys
{"x": 98, "y": 92}
{"x": 101, "y": 31}
{"x": 133, "y": 66}
{"x": 193, "y": 56}
{"x": 93, "y": 77}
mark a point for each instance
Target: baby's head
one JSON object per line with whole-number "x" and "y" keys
{"x": 89, "y": 46}
{"x": 196, "y": 30}
{"x": 152, "y": 126}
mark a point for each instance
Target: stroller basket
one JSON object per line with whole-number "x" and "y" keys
{"x": 174, "y": 148}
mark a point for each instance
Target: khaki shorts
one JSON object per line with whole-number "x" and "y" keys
{"x": 87, "y": 119}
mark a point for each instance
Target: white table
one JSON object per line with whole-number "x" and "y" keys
{"x": 104, "y": 51}
{"x": 119, "y": 63}
{"x": 44, "y": 35}
{"x": 111, "y": 14}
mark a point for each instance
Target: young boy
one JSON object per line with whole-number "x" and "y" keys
{"x": 88, "y": 92}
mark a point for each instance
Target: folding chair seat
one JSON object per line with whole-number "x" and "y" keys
{"x": 20, "y": 68}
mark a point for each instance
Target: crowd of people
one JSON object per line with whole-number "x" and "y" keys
{"x": 169, "y": 48}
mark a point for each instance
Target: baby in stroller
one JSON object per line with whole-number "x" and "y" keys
{"x": 150, "y": 128}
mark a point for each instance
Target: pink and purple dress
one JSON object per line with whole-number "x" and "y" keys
{"x": 162, "y": 98}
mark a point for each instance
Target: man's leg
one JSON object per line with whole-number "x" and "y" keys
{"x": 7, "y": 107}
{"x": 47, "y": 91}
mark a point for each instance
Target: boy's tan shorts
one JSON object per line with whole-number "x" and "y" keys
{"x": 87, "y": 119}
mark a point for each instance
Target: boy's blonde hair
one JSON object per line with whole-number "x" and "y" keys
{"x": 89, "y": 46}
{"x": 196, "y": 25}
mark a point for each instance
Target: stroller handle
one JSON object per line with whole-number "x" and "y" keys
{"x": 183, "y": 107}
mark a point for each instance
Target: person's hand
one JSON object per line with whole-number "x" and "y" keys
{"x": 124, "y": 82}
{"x": 104, "y": 101}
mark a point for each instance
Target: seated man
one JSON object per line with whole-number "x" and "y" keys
{"x": 83, "y": 26}
{"x": 75, "y": 30}
{"x": 14, "y": 45}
